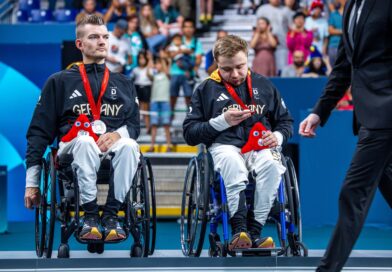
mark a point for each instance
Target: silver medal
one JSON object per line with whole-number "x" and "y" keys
{"x": 98, "y": 127}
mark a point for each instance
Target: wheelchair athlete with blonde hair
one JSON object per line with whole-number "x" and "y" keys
{"x": 223, "y": 110}
{"x": 109, "y": 101}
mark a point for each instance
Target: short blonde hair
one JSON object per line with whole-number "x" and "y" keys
{"x": 88, "y": 20}
{"x": 229, "y": 46}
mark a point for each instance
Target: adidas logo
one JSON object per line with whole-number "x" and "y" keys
{"x": 222, "y": 97}
{"x": 75, "y": 94}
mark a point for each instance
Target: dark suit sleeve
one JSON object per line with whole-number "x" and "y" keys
{"x": 337, "y": 85}
{"x": 196, "y": 127}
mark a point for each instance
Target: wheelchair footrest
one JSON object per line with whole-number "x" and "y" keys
{"x": 259, "y": 251}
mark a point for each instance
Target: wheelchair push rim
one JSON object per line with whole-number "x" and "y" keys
{"x": 140, "y": 213}
{"x": 194, "y": 205}
{"x": 45, "y": 213}
{"x": 153, "y": 214}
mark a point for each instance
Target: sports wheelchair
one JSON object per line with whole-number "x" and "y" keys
{"x": 204, "y": 200}
{"x": 59, "y": 200}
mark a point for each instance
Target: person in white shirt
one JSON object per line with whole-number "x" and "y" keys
{"x": 318, "y": 25}
{"x": 118, "y": 48}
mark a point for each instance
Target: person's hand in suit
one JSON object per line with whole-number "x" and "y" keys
{"x": 308, "y": 126}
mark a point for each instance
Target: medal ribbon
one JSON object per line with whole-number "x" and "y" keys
{"x": 234, "y": 94}
{"x": 95, "y": 107}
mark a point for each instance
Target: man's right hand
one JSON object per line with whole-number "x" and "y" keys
{"x": 32, "y": 197}
{"x": 308, "y": 126}
{"x": 234, "y": 117}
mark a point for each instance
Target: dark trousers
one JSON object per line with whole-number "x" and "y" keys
{"x": 371, "y": 167}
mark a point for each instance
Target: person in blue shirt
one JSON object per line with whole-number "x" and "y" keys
{"x": 181, "y": 77}
{"x": 335, "y": 30}
{"x": 168, "y": 18}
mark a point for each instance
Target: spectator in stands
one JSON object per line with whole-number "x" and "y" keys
{"x": 264, "y": 43}
{"x": 290, "y": 7}
{"x": 168, "y": 18}
{"x": 143, "y": 84}
{"x": 211, "y": 65}
{"x": 206, "y": 11}
{"x": 335, "y": 30}
{"x": 299, "y": 38}
{"x": 150, "y": 30}
{"x": 246, "y": 11}
{"x": 280, "y": 23}
{"x": 88, "y": 9}
{"x": 134, "y": 41}
{"x": 184, "y": 7}
{"x": 118, "y": 48}
{"x": 119, "y": 9}
{"x": 178, "y": 71}
{"x": 160, "y": 105}
{"x": 316, "y": 66}
{"x": 296, "y": 69}
{"x": 318, "y": 25}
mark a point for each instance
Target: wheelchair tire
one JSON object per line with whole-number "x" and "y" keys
{"x": 45, "y": 213}
{"x": 299, "y": 250}
{"x": 153, "y": 213}
{"x": 136, "y": 251}
{"x": 63, "y": 251}
{"x": 194, "y": 205}
{"x": 140, "y": 210}
{"x": 296, "y": 197}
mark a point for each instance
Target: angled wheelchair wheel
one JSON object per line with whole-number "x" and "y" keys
{"x": 45, "y": 213}
{"x": 153, "y": 213}
{"x": 194, "y": 205}
{"x": 296, "y": 197}
{"x": 140, "y": 212}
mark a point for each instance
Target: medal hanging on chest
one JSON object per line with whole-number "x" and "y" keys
{"x": 98, "y": 126}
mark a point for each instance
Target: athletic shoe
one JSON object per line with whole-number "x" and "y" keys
{"x": 240, "y": 240}
{"x": 90, "y": 229}
{"x": 263, "y": 242}
{"x": 113, "y": 230}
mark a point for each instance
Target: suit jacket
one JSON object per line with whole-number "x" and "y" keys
{"x": 367, "y": 67}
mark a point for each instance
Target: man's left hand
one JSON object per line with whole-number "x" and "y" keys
{"x": 106, "y": 140}
{"x": 269, "y": 139}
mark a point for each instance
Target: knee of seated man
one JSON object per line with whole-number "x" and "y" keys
{"x": 85, "y": 140}
{"x": 128, "y": 144}
{"x": 268, "y": 165}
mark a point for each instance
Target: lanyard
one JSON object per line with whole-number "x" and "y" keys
{"x": 234, "y": 94}
{"x": 95, "y": 107}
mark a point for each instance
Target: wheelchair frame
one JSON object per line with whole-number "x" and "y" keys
{"x": 202, "y": 202}
{"x": 139, "y": 208}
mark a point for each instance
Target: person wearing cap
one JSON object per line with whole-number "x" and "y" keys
{"x": 118, "y": 48}
{"x": 317, "y": 24}
{"x": 316, "y": 66}
{"x": 110, "y": 103}
{"x": 364, "y": 62}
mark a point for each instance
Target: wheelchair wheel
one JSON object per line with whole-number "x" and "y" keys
{"x": 140, "y": 212}
{"x": 194, "y": 205}
{"x": 153, "y": 213}
{"x": 296, "y": 197}
{"x": 45, "y": 213}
